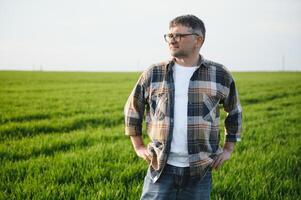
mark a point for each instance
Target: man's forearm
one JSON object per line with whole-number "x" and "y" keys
{"x": 137, "y": 142}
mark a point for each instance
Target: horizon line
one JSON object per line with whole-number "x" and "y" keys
{"x": 127, "y": 71}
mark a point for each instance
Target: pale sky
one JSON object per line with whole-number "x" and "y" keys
{"x": 127, "y": 35}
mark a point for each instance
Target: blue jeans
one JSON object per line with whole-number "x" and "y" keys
{"x": 175, "y": 183}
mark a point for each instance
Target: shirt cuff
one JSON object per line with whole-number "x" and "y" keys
{"x": 232, "y": 138}
{"x": 133, "y": 131}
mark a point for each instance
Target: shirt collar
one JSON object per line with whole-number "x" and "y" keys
{"x": 201, "y": 62}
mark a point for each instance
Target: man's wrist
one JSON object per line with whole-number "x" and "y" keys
{"x": 229, "y": 146}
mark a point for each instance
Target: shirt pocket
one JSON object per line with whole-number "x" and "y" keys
{"x": 158, "y": 106}
{"x": 210, "y": 108}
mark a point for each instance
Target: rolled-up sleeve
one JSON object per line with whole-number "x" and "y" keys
{"x": 134, "y": 108}
{"x": 233, "y": 121}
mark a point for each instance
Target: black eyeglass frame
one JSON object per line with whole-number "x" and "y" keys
{"x": 167, "y": 37}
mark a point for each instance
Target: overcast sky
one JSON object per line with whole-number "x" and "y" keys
{"x": 119, "y": 35}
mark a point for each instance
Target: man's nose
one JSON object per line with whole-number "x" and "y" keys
{"x": 173, "y": 40}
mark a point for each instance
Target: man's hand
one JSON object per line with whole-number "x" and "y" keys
{"x": 143, "y": 153}
{"x": 228, "y": 148}
{"x": 140, "y": 149}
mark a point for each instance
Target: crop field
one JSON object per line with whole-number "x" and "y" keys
{"x": 62, "y": 137}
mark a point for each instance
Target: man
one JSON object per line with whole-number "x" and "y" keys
{"x": 181, "y": 99}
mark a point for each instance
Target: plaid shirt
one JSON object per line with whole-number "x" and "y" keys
{"x": 210, "y": 85}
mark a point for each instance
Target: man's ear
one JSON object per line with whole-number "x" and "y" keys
{"x": 200, "y": 41}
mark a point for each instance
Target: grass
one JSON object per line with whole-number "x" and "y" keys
{"x": 61, "y": 137}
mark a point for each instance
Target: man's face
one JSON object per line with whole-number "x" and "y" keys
{"x": 187, "y": 45}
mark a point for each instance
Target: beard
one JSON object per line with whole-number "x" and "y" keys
{"x": 179, "y": 54}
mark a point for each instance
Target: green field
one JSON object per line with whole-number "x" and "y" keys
{"x": 61, "y": 137}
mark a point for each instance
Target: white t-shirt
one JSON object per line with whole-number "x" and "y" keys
{"x": 179, "y": 153}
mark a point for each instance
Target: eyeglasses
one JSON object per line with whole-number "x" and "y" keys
{"x": 177, "y": 36}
